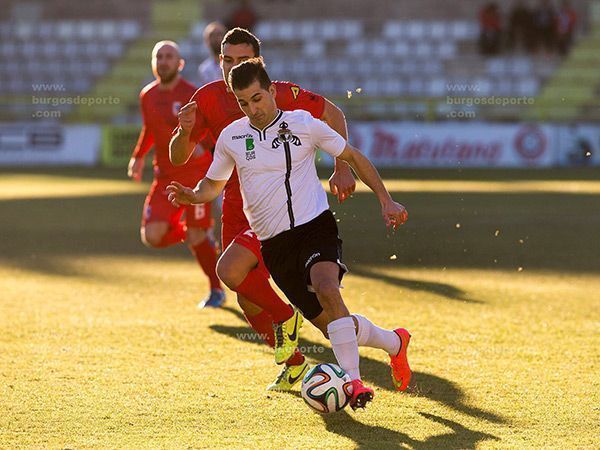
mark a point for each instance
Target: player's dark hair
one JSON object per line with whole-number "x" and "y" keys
{"x": 244, "y": 74}
{"x": 237, "y": 36}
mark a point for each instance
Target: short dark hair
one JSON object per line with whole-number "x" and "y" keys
{"x": 244, "y": 74}
{"x": 237, "y": 36}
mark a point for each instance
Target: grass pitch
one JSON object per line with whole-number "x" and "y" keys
{"x": 496, "y": 274}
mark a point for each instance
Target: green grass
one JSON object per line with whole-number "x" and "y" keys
{"x": 102, "y": 347}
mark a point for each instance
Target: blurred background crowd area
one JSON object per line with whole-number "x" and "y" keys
{"x": 385, "y": 60}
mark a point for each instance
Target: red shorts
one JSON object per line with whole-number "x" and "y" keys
{"x": 157, "y": 208}
{"x": 243, "y": 235}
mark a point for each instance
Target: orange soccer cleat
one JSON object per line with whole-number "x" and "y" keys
{"x": 399, "y": 363}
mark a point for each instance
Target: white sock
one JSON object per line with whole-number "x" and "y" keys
{"x": 370, "y": 335}
{"x": 342, "y": 335}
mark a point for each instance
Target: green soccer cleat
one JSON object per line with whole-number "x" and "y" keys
{"x": 288, "y": 377}
{"x": 286, "y": 337}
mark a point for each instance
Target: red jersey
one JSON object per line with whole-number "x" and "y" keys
{"x": 218, "y": 107}
{"x": 159, "y": 114}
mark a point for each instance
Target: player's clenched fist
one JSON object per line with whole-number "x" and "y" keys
{"x": 394, "y": 214}
{"x": 187, "y": 116}
{"x": 180, "y": 195}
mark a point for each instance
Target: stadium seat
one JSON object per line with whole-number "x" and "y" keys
{"x": 329, "y": 29}
{"x": 446, "y": 50}
{"x": 129, "y": 30}
{"x": 307, "y": 30}
{"x": 528, "y": 87}
{"x": 351, "y": 29}
{"x": 24, "y": 30}
{"x": 379, "y": 49}
{"x": 392, "y": 30}
{"x": 50, "y": 50}
{"x": 423, "y": 50}
{"x": 436, "y": 87}
{"x": 264, "y": 29}
{"x": 438, "y": 30}
{"x": 400, "y": 49}
{"x": 415, "y": 29}
{"x": 503, "y": 86}
{"x": 462, "y": 30}
{"x": 313, "y": 48}
{"x": 521, "y": 66}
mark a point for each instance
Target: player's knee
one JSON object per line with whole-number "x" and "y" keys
{"x": 327, "y": 290}
{"x": 228, "y": 274}
{"x": 150, "y": 238}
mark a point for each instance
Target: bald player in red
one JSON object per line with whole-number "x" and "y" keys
{"x": 241, "y": 267}
{"x": 162, "y": 223}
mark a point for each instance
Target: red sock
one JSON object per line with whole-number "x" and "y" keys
{"x": 206, "y": 256}
{"x": 262, "y": 323}
{"x": 257, "y": 289}
{"x": 296, "y": 359}
{"x": 175, "y": 235}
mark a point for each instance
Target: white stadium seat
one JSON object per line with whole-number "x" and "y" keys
{"x": 392, "y": 30}
{"x": 351, "y": 29}
{"x": 415, "y": 29}
{"x": 313, "y": 48}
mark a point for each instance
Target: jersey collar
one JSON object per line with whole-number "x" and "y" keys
{"x": 262, "y": 134}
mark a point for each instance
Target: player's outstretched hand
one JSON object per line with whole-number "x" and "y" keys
{"x": 179, "y": 194}
{"x": 394, "y": 214}
{"x": 135, "y": 169}
{"x": 187, "y": 116}
{"x": 342, "y": 183}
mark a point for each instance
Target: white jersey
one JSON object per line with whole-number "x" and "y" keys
{"x": 276, "y": 167}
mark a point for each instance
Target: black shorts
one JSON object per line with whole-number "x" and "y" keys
{"x": 290, "y": 255}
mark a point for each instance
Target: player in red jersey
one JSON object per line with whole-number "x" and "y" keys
{"x": 162, "y": 224}
{"x": 241, "y": 267}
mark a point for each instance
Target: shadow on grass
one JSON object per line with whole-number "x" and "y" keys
{"x": 373, "y": 436}
{"x": 376, "y": 372}
{"x": 442, "y": 289}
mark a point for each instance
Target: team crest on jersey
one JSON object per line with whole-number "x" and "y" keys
{"x": 285, "y": 135}
{"x": 250, "y": 153}
{"x": 175, "y": 108}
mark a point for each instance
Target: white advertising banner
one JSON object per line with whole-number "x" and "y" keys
{"x": 49, "y": 144}
{"x": 455, "y": 144}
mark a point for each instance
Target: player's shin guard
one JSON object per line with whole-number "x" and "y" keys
{"x": 257, "y": 289}
{"x": 342, "y": 335}
{"x": 262, "y": 323}
{"x": 206, "y": 255}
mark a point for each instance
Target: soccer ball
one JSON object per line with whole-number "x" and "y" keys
{"x": 326, "y": 388}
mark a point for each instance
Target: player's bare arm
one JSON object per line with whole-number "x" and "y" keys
{"x": 181, "y": 147}
{"x": 135, "y": 168}
{"x": 341, "y": 183}
{"x": 206, "y": 191}
{"x": 393, "y": 213}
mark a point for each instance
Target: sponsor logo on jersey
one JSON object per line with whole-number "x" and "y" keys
{"x": 285, "y": 135}
{"x": 242, "y": 136}
{"x": 250, "y": 153}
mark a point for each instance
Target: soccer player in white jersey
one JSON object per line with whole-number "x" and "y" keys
{"x": 274, "y": 152}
